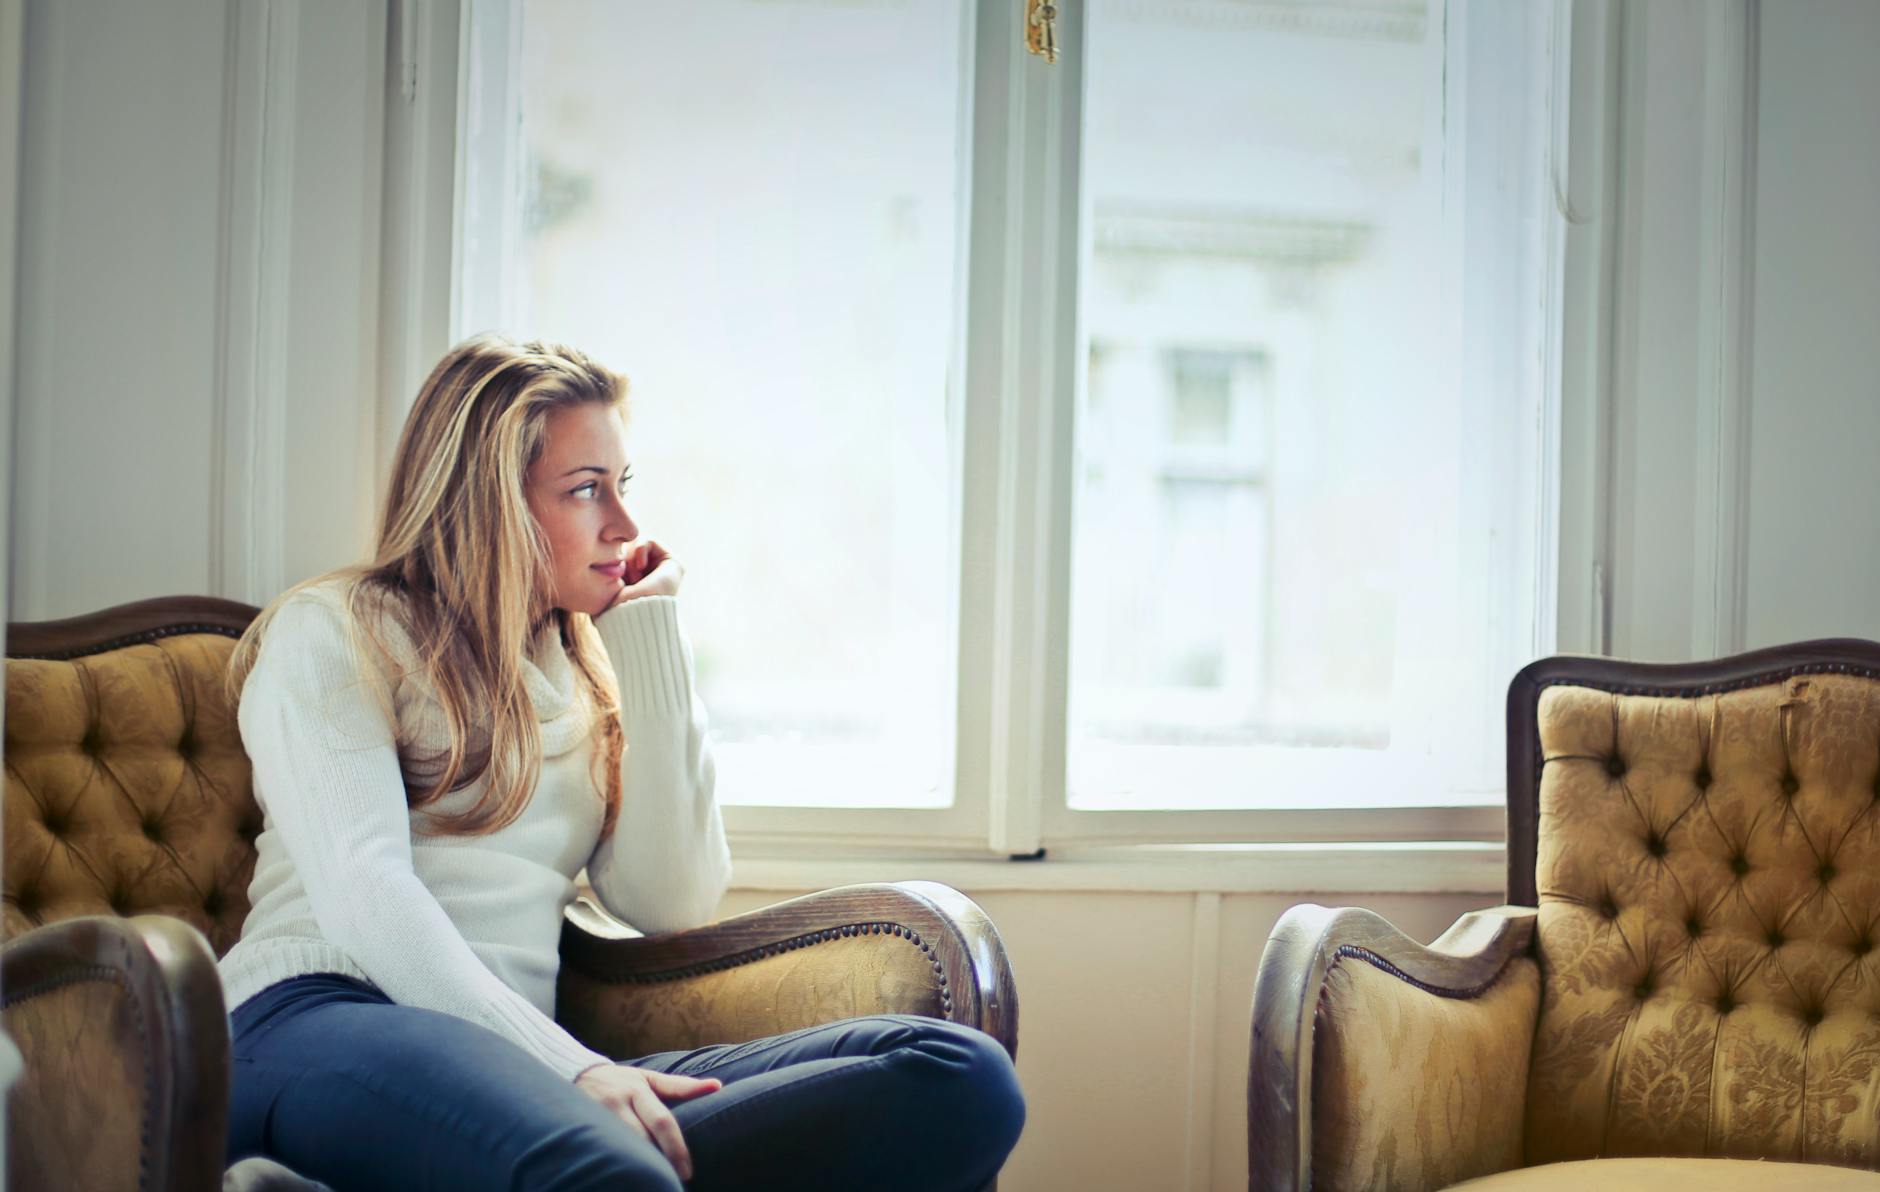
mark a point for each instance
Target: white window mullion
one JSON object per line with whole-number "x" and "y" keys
{"x": 490, "y": 178}
{"x": 1021, "y": 377}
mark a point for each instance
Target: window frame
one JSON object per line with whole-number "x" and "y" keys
{"x": 1018, "y": 372}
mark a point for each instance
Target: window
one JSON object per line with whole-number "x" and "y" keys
{"x": 1153, "y": 446}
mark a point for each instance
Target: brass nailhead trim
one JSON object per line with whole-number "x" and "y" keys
{"x": 791, "y": 944}
{"x": 1376, "y": 961}
{"x": 132, "y": 639}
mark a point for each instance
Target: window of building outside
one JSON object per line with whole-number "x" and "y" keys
{"x": 1307, "y": 506}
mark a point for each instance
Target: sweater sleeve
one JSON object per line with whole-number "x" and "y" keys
{"x": 326, "y": 772}
{"x": 666, "y": 864}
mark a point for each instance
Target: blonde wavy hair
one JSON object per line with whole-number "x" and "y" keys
{"x": 465, "y": 570}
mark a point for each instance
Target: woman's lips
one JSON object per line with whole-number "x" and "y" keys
{"x": 612, "y": 570}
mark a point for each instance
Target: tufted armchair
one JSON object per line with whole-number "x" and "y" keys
{"x": 129, "y": 833}
{"x": 1685, "y": 978}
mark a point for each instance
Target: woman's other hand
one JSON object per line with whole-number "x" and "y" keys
{"x": 640, "y": 1098}
{"x": 651, "y": 571}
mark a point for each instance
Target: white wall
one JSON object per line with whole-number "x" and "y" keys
{"x": 207, "y": 382}
{"x": 1744, "y": 368}
{"x": 198, "y": 315}
{"x": 1814, "y": 487}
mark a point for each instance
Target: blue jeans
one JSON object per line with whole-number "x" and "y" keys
{"x": 339, "y": 1083}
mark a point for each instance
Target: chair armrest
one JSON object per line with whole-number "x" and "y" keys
{"x": 125, "y": 1039}
{"x": 1345, "y": 988}
{"x": 900, "y": 948}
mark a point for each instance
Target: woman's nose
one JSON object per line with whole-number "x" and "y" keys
{"x": 621, "y": 522}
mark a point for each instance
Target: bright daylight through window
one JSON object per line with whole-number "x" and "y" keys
{"x": 1309, "y": 524}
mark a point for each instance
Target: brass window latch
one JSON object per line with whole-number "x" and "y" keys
{"x": 1041, "y": 28}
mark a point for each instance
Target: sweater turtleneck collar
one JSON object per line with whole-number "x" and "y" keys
{"x": 549, "y": 679}
{"x": 548, "y": 673}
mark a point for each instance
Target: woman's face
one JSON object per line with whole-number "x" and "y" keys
{"x": 577, "y": 492}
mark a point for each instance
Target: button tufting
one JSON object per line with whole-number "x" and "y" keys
{"x": 1702, "y": 778}
{"x": 1725, "y": 1003}
{"x": 1643, "y": 989}
{"x": 1789, "y": 784}
{"x": 1826, "y": 872}
{"x": 1615, "y": 765}
{"x": 1693, "y": 928}
{"x": 153, "y": 830}
{"x": 1739, "y": 865}
{"x": 1775, "y": 937}
{"x": 1608, "y": 908}
{"x": 1813, "y": 1016}
{"x": 1655, "y": 844}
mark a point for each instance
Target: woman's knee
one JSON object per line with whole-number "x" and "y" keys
{"x": 984, "y": 1097}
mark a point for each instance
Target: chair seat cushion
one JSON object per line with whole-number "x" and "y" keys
{"x": 1677, "y": 1175}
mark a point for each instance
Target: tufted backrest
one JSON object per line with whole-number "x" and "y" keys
{"x": 1708, "y": 878}
{"x": 127, "y": 789}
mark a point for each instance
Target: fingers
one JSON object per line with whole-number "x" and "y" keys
{"x": 634, "y": 1096}
{"x": 672, "y": 1087}
{"x": 662, "y": 580}
{"x": 663, "y": 1129}
{"x": 637, "y": 564}
{"x": 643, "y": 558}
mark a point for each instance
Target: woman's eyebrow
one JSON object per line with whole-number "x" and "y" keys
{"x": 595, "y": 468}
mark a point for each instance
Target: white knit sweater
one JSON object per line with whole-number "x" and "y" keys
{"x": 469, "y": 925}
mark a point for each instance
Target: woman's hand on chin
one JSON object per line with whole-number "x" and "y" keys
{"x": 651, "y": 571}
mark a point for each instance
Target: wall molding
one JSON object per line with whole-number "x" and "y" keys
{"x": 12, "y": 108}
{"x": 1584, "y": 170}
{"x": 1726, "y": 249}
{"x": 30, "y": 546}
{"x": 248, "y": 506}
{"x": 1676, "y": 494}
{"x": 417, "y": 232}
{"x": 1204, "y": 983}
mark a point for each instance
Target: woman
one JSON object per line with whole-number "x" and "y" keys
{"x": 441, "y": 740}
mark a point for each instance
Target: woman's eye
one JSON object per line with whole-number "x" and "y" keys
{"x": 593, "y": 486}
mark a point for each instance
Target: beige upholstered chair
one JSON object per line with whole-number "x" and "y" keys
{"x": 129, "y": 833}
{"x": 1686, "y": 977}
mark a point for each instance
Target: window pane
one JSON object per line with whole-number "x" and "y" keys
{"x": 773, "y": 264}
{"x": 1297, "y": 572}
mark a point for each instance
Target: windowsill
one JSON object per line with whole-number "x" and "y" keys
{"x": 1433, "y": 867}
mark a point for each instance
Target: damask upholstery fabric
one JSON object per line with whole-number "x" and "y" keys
{"x": 1413, "y": 1090}
{"x": 127, "y": 789}
{"x": 1709, "y": 885}
{"x": 787, "y": 991}
{"x": 1677, "y": 1175}
{"x": 92, "y": 1140}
